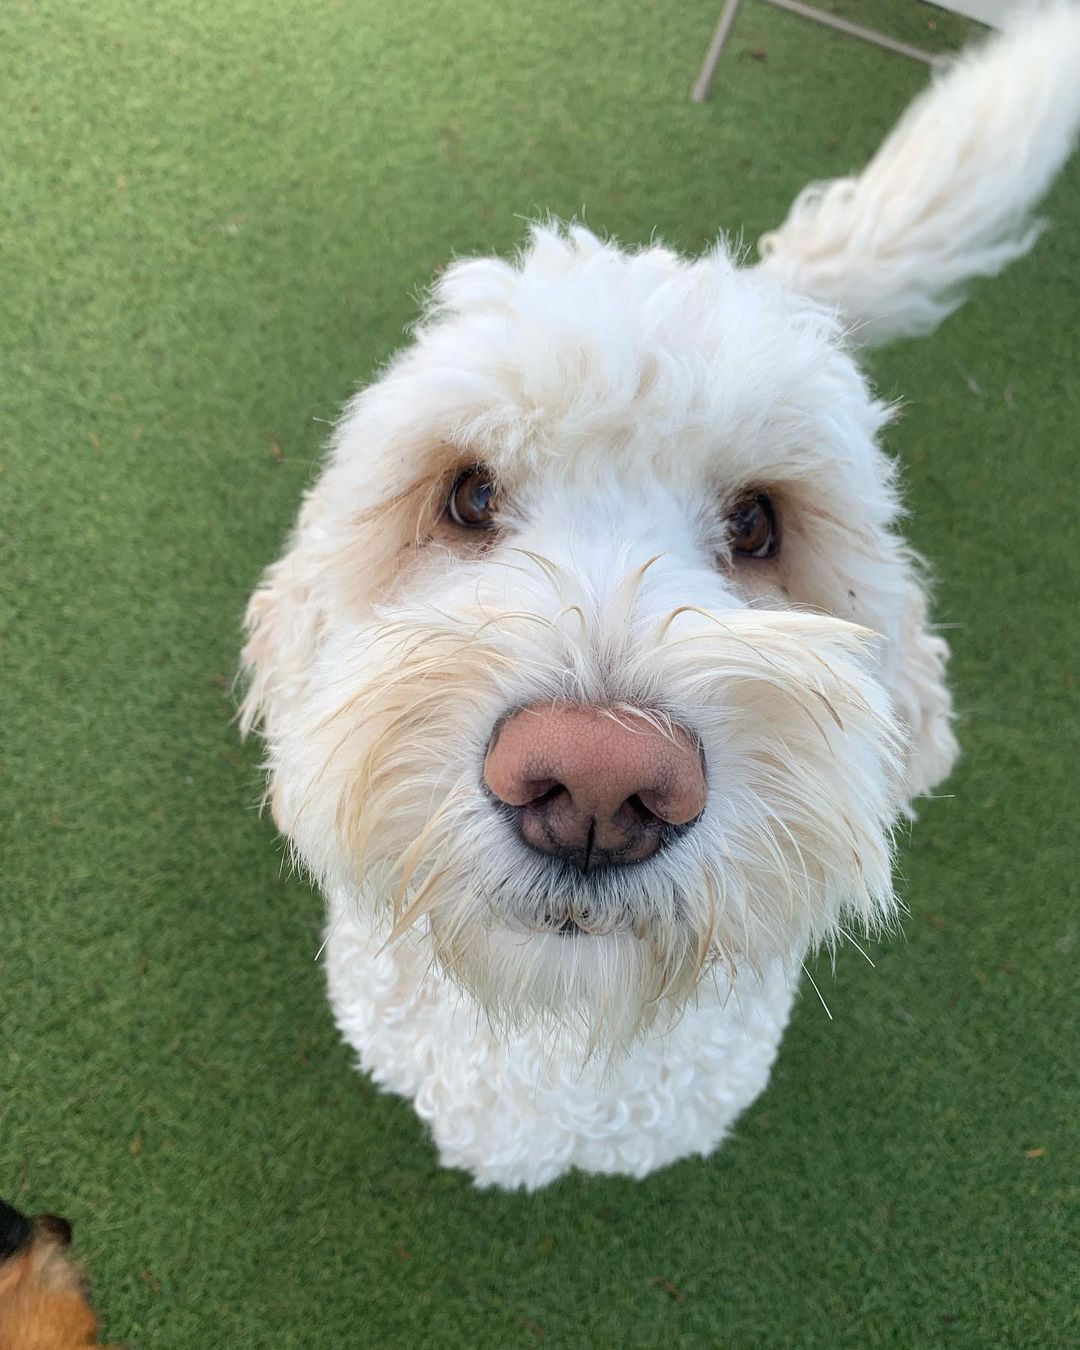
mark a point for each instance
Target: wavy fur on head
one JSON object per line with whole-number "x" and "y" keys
{"x": 621, "y": 403}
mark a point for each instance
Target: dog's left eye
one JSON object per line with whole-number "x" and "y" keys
{"x": 754, "y": 532}
{"x": 472, "y": 499}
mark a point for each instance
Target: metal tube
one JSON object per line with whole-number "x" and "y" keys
{"x": 856, "y": 30}
{"x": 702, "y": 84}
{"x": 700, "y": 91}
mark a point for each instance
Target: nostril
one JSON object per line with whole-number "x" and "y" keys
{"x": 641, "y": 813}
{"x": 542, "y": 792}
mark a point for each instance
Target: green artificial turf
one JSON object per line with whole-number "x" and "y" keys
{"x": 214, "y": 219}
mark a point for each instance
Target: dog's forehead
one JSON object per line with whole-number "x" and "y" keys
{"x": 580, "y": 350}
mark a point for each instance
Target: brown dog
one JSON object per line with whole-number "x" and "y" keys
{"x": 43, "y": 1304}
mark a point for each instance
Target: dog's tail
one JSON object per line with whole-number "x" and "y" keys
{"x": 947, "y": 197}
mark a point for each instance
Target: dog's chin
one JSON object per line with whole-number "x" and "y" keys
{"x": 602, "y": 987}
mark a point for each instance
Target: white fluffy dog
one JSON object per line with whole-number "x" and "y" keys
{"x": 596, "y": 673}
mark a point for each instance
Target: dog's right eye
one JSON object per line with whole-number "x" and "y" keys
{"x": 472, "y": 499}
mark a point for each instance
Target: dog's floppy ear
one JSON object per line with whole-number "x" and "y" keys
{"x": 917, "y": 683}
{"x": 336, "y": 561}
{"x": 283, "y": 623}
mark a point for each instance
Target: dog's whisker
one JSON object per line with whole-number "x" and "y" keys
{"x": 329, "y": 934}
{"x": 862, "y": 952}
{"x": 817, "y": 991}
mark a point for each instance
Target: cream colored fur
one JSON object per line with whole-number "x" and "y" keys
{"x": 623, "y": 402}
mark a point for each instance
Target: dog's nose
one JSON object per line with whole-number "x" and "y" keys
{"x": 594, "y": 785}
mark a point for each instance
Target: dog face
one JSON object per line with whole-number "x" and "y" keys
{"x": 595, "y": 658}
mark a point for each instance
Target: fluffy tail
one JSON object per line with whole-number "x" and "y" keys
{"x": 947, "y": 197}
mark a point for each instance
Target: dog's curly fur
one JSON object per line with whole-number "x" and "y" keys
{"x": 621, "y": 403}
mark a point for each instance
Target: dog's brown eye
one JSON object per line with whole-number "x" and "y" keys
{"x": 472, "y": 499}
{"x": 753, "y": 527}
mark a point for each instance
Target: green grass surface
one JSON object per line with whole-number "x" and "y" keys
{"x": 215, "y": 215}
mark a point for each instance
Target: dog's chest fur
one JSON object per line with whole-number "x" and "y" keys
{"x": 513, "y": 1109}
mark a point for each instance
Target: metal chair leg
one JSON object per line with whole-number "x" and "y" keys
{"x": 700, "y": 91}
{"x": 702, "y": 84}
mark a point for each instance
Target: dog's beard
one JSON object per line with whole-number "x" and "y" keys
{"x": 804, "y": 768}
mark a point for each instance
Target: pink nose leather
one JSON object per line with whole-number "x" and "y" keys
{"x": 593, "y": 786}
